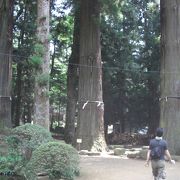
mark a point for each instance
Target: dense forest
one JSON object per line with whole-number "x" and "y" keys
{"x": 78, "y": 67}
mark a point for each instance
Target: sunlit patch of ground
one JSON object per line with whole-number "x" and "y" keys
{"x": 108, "y": 167}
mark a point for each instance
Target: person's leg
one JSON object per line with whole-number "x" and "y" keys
{"x": 161, "y": 170}
{"x": 161, "y": 173}
{"x": 155, "y": 174}
{"x": 154, "y": 169}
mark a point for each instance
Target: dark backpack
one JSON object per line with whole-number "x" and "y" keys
{"x": 156, "y": 152}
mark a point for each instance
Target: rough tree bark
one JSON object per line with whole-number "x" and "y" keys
{"x": 91, "y": 108}
{"x": 41, "y": 115}
{"x": 72, "y": 80}
{"x": 6, "y": 17}
{"x": 170, "y": 74}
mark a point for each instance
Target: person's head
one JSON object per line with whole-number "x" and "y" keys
{"x": 159, "y": 132}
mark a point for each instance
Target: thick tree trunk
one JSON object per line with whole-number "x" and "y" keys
{"x": 91, "y": 108}
{"x": 170, "y": 74}
{"x": 72, "y": 81}
{"x": 41, "y": 116}
{"x": 6, "y": 16}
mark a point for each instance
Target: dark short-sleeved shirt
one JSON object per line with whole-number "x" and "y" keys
{"x": 162, "y": 143}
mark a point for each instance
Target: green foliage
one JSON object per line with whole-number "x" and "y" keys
{"x": 57, "y": 159}
{"x": 31, "y": 136}
{"x": 49, "y": 37}
{"x": 24, "y": 28}
{"x": 39, "y": 49}
{"x": 37, "y": 58}
{"x": 42, "y": 79}
{"x": 22, "y": 141}
{"x": 130, "y": 44}
{"x": 130, "y": 30}
{"x": 111, "y": 6}
{"x": 58, "y": 85}
{"x": 11, "y": 162}
{"x": 28, "y": 56}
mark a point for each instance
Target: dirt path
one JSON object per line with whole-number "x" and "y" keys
{"x": 115, "y": 168}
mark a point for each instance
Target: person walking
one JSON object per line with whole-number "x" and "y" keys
{"x": 156, "y": 153}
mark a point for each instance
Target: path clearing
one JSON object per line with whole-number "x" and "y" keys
{"x": 116, "y": 168}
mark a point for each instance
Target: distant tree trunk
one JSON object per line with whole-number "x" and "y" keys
{"x": 170, "y": 74}
{"x": 121, "y": 102}
{"x": 154, "y": 109}
{"x": 18, "y": 94}
{"x": 41, "y": 116}
{"x": 51, "y": 118}
{"x": 72, "y": 81}
{"x": 18, "y": 84}
{"x": 91, "y": 108}
{"x": 53, "y": 58}
{"x": 6, "y": 17}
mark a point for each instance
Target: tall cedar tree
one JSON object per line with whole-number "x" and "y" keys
{"x": 41, "y": 116}
{"x": 170, "y": 76}
{"x": 6, "y": 17}
{"x": 90, "y": 127}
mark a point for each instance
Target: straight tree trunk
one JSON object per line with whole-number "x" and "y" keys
{"x": 53, "y": 59}
{"x": 91, "y": 107}
{"x": 72, "y": 81}
{"x": 18, "y": 94}
{"x": 153, "y": 103}
{"x": 41, "y": 115}
{"x": 6, "y": 17}
{"x": 18, "y": 88}
{"x": 121, "y": 116}
{"x": 170, "y": 73}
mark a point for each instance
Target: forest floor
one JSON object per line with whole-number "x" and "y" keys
{"x": 116, "y": 168}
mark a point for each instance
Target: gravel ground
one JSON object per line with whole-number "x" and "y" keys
{"x": 116, "y": 168}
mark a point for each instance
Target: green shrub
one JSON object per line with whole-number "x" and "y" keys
{"x": 30, "y": 136}
{"x": 9, "y": 164}
{"x": 20, "y": 144}
{"x": 57, "y": 159}
{"x": 11, "y": 161}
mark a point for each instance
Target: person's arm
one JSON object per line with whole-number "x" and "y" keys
{"x": 168, "y": 155}
{"x": 148, "y": 157}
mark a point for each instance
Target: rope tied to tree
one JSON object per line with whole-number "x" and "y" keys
{"x": 99, "y": 103}
{"x": 6, "y": 97}
{"x": 168, "y": 97}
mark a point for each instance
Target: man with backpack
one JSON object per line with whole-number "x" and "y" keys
{"x": 156, "y": 153}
